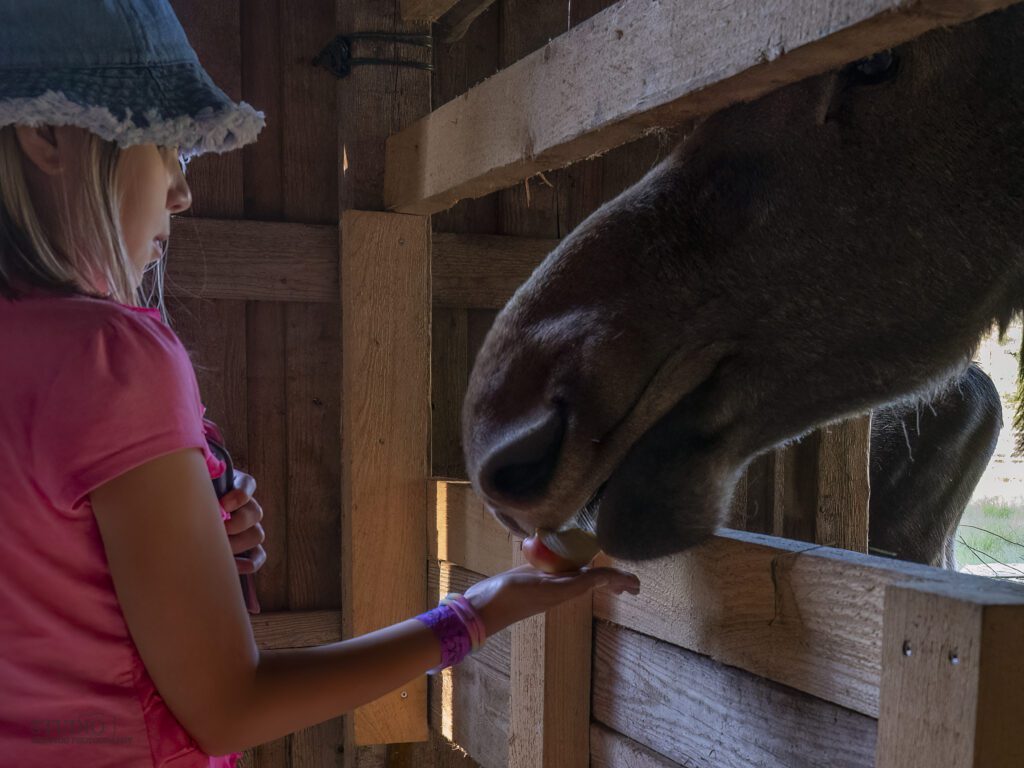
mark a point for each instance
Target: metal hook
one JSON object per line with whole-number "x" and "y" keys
{"x": 336, "y": 56}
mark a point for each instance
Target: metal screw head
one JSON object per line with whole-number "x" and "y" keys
{"x": 405, "y": 694}
{"x": 954, "y": 658}
{"x": 907, "y": 650}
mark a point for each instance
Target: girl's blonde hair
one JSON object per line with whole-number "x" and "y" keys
{"x": 95, "y": 254}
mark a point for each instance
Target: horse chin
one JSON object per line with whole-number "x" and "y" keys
{"x": 670, "y": 492}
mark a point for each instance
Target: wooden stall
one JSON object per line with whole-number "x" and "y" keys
{"x": 447, "y": 189}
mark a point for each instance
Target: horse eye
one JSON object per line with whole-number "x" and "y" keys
{"x": 874, "y": 69}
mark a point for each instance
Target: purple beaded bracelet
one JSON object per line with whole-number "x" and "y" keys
{"x": 458, "y": 630}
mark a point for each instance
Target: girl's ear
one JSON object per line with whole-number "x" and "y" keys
{"x": 39, "y": 145}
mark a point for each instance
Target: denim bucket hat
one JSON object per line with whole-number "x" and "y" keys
{"x": 122, "y": 69}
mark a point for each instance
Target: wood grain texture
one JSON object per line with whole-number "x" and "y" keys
{"x": 609, "y": 749}
{"x": 309, "y": 190}
{"x": 953, "y": 672}
{"x": 703, "y": 714}
{"x": 386, "y": 375}
{"x": 214, "y": 30}
{"x": 483, "y": 271}
{"x": 633, "y": 67}
{"x": 461, "y": 531}
{"x": 843, "y": 489}
{"x": 549, "y": 725}
{"x": 805, "y": 616}
{"x": 296, "y": 629}
{"x": 253, "y": 260}
{"x": 290, "y": 261}
{"x": 449, "y": 376}
{"x": 268, "y": 442}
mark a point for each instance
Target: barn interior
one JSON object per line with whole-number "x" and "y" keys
{"x": 335, "y": 282}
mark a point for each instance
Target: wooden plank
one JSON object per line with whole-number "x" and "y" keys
{"x": 609, "y": 749}
{"x": 289, "y": 261}
{"x": 214, "y": 29}
{"x": 549, "y": 726}
{"x": 385, "y": 378}
{"x": 449, "y": 377}
{"x": 253, "y": 260}
{"x": 631, "y": 68}
{"x": 803, "y": 615}
{"x": 268, "y": 442}
{"x": 703, "y": 714}
{"x": 953, "y": 674}
{"x": 309, "y": 193}
{"x": 312, "y": 436}
{"x": 483, "y": 271}
{"x": 296, "y": 629}
{"x": 843, "y": 490}
{"x": 462, "y": 531}
{"x": 424, "y": 10}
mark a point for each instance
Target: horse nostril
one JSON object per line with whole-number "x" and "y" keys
{"x": 521, "y": 464}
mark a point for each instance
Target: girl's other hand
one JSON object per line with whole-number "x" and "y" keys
{"x": 521, "y": 592}
{"x": 244, "y": 530}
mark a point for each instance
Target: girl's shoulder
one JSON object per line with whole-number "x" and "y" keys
{"x": 76, "y": 322}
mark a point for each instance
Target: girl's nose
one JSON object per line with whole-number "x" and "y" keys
{"x": 179, "y": 196}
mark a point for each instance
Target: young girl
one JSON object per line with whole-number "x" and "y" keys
{"x": 124, "y": 640}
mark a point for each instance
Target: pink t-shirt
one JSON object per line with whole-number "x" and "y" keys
{"x": 88, "y": 390}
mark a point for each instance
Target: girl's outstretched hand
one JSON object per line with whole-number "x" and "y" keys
{"x": 244, "y": 530}
{"x": 521, "y": 592}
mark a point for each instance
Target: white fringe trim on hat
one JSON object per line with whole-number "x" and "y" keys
{"x": 207, "y": 131}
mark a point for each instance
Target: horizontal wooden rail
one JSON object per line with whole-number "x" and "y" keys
{"x": 284, "y": 261}
{"x": 634, "y": 67}
{"x": 657, "y": 694}
{"x": 807, "y": 616}
{"x": 296, "y": 629}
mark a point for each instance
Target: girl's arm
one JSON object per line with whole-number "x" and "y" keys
{"x": 176, "y": 582}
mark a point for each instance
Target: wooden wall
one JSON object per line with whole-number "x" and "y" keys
{"x": 269, "y": 371}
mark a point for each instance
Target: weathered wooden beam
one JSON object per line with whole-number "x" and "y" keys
{"x": 804, "y": 615}
{"x": 609, "y": 749}
{"x": 296, "y": 629}
{"x": 634, "y": 67}
{"x": 699, "y": 712}
{"x": 385, "y": 290}
{"x": 952, "y": 674}
{"x": 285, "y": 261}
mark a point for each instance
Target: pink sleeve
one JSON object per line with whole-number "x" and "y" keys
{"x": 128, "y": 397}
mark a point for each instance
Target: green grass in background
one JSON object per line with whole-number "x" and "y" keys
{"x": 989, "y": 525}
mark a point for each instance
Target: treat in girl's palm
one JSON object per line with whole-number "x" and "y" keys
{"x": 560, "y": 551}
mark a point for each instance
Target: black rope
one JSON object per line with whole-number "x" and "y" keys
{"x": 336, "y": 57}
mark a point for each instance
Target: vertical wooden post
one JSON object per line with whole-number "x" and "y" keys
{"x": 385, "y": 295}
{"x": 549, "y": 725}
{"x": 952, "y": 676}
{"x": 843, "y": 489}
